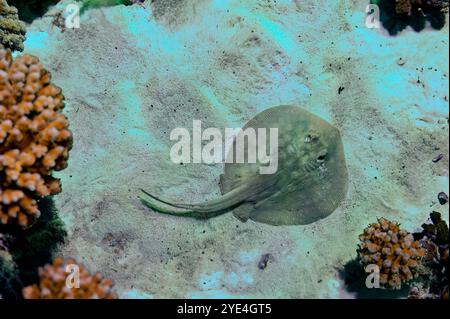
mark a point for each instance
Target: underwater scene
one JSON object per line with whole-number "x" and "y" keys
{"x": 224, "y": 149}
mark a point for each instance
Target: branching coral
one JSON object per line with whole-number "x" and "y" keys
{"x": 52, "y": 284}
{"x": 393, "y": 250}
{"x": 12, "y": 30}
{"x": 34, "y": 137}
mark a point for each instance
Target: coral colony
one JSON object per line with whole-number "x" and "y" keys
{"x": 12, "y": 30}
{"x": 34, "y": 141}
{"x": 393, "y": 250}
{"x": 34, "y": 137}
{"x": 55, "y": 283}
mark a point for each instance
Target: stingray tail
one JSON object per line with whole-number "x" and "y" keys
{"x": 199, "y": 211}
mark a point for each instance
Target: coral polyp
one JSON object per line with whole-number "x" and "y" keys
{"x": 53, "y": 279}
{"x": 393, "y": 250}
{"x": 34, "y": 137}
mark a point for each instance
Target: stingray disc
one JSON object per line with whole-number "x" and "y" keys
{"x": 311, "y": 179}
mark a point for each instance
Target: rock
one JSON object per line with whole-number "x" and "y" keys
{"x": 401, "y": 62}
{"x": 438, "y": 158}
{"x": 265, "y": 258}
{"x": 443, "y": 198}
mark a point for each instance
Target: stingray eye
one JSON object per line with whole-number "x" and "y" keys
{"x": 311, "y": 137}
{"x": 308, "y": 138}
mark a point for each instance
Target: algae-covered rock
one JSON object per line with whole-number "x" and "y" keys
{"x": 90, "y": 4}
{"x": 8, "y": 269}
{"x": 397, "y": 15}
{"x": 32, "y": 9}
{"x": 435, "y": 238}
{"x": 12, "y": 30}
{"x": 33, "y": 247}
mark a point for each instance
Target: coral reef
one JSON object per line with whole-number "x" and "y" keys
{"x": 34, "y": 137}
{"x": 393, "y": 250}
{"x": 396, "y": 15}
{"x": 12, "y": 30}
{"x": 34, "y": 141}
{"x": 52, "y": 284}
{"x": 434, "y": 237}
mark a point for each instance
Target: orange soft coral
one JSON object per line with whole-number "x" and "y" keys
{"x": 34, "y": 137}
{"x": 393, "y": 250}
{"x": 52, "y": 284}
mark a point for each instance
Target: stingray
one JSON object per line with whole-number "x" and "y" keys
{"x": 309, "y": 184}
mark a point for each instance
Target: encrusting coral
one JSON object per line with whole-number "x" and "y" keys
{"x": 34, "y": 137}
{"x": 12, "y": 30}
{"x": 52, "y": 284}
{"x": 393, "y": 250}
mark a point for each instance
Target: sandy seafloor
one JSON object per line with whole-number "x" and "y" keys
{"x": 132, "y": 74}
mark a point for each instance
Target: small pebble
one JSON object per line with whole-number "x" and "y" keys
{"x": 443, "y": 198}
{"x": 401, "y": 62}
{"x": 262, "y": 264}
{"x": 438, "y": 158}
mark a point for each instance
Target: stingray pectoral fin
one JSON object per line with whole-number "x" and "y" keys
{"x": 244, "y": 211}
{"x": 207, "y": 209}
